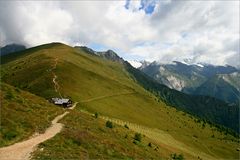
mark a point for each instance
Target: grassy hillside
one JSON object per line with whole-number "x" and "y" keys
{"x": 106, "y": 87}
{"x": 206, "y": 107}
{"x": 23, "y": 114}
{"x": 87, "y": 137}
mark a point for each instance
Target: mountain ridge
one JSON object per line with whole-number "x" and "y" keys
{"x": 197, "y": 105}
{"x": 11, "y": 48}
{"x": 187, "y": 78}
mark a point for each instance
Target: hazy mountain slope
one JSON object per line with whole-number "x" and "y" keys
{"x": 219, "y": 88}
{"x": 23, "y": 114}
{"x": 177, "y": 76}
{"x": 210, "y": 70}
{"x": 232, "y": 78}
{"x": 11, "y": 48}
{"x": 187, "y": 78}
{"x": 106, "y": 87}
{"x": 111, "y": 55}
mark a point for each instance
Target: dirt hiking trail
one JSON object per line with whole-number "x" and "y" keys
{"x": 107, "y": 96}
{"x": 54, "y": 80}
{"x": 22, "y": 150}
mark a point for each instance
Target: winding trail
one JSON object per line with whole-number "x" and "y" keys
{"x": 56, "y": 85}
{"x": 22, "y": 150}
{"x": 107, "y": 96}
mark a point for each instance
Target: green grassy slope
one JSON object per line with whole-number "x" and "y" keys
{"x": 106, "y": 87}
{"x": 206, "y": 107}
{"x": 87, "y": 137}
{"x": 23, "y": 114}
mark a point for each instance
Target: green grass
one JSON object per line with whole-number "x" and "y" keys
{"x": 182, "y": 127}
{"x": 23, "y": 114}
{"x": 105, "y": 87}
{"x": 205, "y": 107}
{"x": 85, "y": 137}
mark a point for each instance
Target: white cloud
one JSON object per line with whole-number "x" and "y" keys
{"x": 202, "y": 31}
{"x": 34, "y": 23}
{"x": 206, "y": 31}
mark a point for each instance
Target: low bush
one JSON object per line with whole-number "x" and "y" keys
{"x": 137, "y": 137}
{"x": 177, "y": 157}
{"x": 96, "y": 115}
{"x": 9, "y": 95}
{"x": 109, "y": 124}
{"x": 149, "y": 144}
{"x": 10, "y": 135}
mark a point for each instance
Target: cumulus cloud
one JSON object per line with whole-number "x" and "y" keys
{"x": 33, "y": 23}
{"x": 202, "y": 31}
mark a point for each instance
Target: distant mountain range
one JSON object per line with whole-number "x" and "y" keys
{"x": 11, "y": 48}
{"x": 198, "y": 104}
{"x": 221, "y": 82}
{"x": 109, "y": 54}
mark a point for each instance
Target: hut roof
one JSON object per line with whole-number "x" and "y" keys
{"x": 60, "y": 100}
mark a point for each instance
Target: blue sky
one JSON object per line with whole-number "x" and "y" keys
{"x": 146, "y": 5}
{"x": 164, "y": 31}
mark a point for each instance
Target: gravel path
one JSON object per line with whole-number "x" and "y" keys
{"x": 23, "y": 150}
{"x": 106, "y": 96}
{"x": 54, "y": 80}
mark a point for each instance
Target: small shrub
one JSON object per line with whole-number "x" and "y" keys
{"x": 101, "y": 129}
{"x": 109, "y": 124}
{"x": 195, "y": 136}
{"x": 177, "y": 157}
{"x": 10, "y": 135}
{"x": 149, "y": 144}
{"x": 9, "y": 95}
{"x": 137, "y": 137}
{"x": 96, "y": 115}
{"x": 126, "y": 126}
{"x": 136, "y": 142}
{"x": 17, "y": 90}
